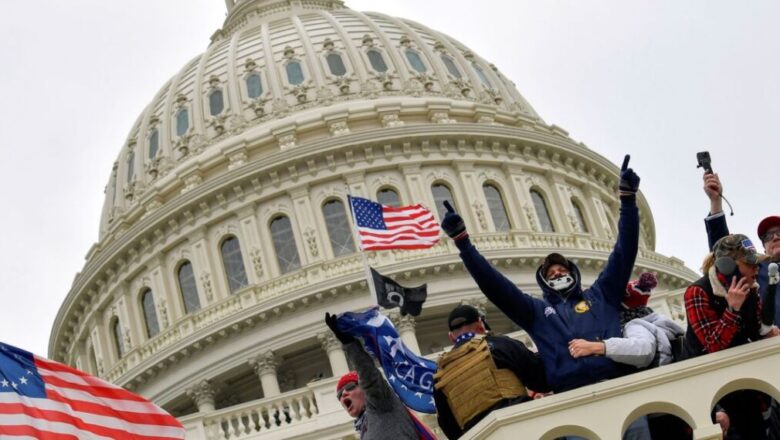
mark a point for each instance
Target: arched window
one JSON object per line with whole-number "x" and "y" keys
{"x": 234, "y": 264}
{"x": 339, "y": 231}
{"x": 388, "y": 197}
{"x": 284, "y": 244}
{"x": 481, "y": 74}
{"x": 254, "y": 86}
{"x": 377, "y": 60}
{"x": 150, "y": 313}
{"x": 154, "y": 144}
{"x": 415, "y": 61}
{"x": 119, "y": 342}
{"x": 93, "y": 364}
{"x": 542, "y": 214}
{"x": 336, "y": 64}
{"x": 497, "y": 208}
{"x": 188, "y": 287}
{"x": 450, "y": 65}
{"x": 441, "y": 193}
{"x": 130, "y": 166}
{"x": 579, "y": 217}
{"x": 182, "y": 122}
{"x": 294, "y": 72}
{"x": 216, "y": 102}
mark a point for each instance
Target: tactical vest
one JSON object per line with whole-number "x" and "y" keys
{"x": 468, "y": 377}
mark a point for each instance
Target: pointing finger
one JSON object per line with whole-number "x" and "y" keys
{"x": 448, "y": 206}
{"x": 625, "y": 162}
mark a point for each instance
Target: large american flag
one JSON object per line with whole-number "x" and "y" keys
{"x": 383, "y": 227}
{"x": 47, "y": 400}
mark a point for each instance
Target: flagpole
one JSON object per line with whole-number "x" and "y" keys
{"x": 359, "y": 243}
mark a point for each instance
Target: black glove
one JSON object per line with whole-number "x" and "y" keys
{"x": 629, "y": 181}
{"x": 453, "y": 224}
{"x": 330, "y": 321}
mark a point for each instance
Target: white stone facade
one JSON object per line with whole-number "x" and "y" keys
{"x": 254, "y": 359}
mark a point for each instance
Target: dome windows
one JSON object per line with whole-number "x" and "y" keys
{"x": 449, "y": 63}
{"x": 119, "y": 342}
{"x": 579, "y": 217}
{"x": 188, "y": 287}
{"x": 254, "y": 86}
{"x": 154, "y": 143}
{"x": 415, "y": 61}
{"x": 388, "y": 197}
{"x": 336, "y": 64}
{"x": 294, "y": 72}
{"x": 442, "y": 193}
{"x": 233, "y": 263}
{"x": 497, "y": 208}
{"x": 182, "y": 121}
{"x": 150, "y": 313}
{"x": 216, "y": 102}
{"x": 542, "y": 213}
{"x": 377, "y": 60}
{"x": 130, "y": 166}
{"x": 284, "y": 244}
{"x": 481, "y": 75}
{"x": 339, "y": 230}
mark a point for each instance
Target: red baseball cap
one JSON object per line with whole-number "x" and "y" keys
{"x": 766, "y": 224}
{"x": 352, "y": 376}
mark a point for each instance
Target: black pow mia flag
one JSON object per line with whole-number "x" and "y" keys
{"x": 390, "y": 294}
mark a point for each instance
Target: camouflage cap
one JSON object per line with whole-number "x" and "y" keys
{"x": 738, "y": 247}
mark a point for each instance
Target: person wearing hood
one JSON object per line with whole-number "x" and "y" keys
{"x": 566, "y": 311}
{"x": 647, "y": 335}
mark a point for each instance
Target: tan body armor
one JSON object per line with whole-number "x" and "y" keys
{"x": 468, "y": 377}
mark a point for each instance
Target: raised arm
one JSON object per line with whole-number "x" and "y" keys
{"x": 613, "y": 279}
{"x": 501, "y": 291}
{"x": 715, "y": 222}
{"x": 379, "y": 395}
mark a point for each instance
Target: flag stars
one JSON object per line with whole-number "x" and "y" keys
{"x": 13, "y": 384}
{"x": 23, "y": 380}
{"x": 4, "y": 383}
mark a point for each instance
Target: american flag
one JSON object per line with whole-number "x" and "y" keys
{"x": 47, "y": 400}
{"x": 384, "y": 227}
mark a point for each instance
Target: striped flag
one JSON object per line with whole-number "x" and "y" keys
{"x": 43, "y": 399}
{"x": 383, "y": 227}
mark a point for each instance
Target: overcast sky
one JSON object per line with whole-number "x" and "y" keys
{"x": 660, "y": 80}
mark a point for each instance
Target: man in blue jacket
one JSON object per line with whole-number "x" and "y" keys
{"x": 566, "y": 311}
{"x": 768, "y": 232}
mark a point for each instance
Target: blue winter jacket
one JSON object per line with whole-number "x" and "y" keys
{"x": 592, "y": 314}
{"x": 717, "y": 228}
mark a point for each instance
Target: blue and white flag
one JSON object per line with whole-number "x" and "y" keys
{"x": 410, "y": 375}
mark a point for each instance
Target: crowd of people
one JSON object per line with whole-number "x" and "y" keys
{"x": 584, "y": 336}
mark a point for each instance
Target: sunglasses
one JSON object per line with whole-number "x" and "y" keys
{"x": 770, "y": 235}
{"x": 348, "y": 387}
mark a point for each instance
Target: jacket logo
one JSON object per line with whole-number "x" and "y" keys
{"x": 548, "y": 311}
{"x": 581, "y": 307}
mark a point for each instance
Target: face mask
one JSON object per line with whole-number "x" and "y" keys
{"x": 561, "y": 283}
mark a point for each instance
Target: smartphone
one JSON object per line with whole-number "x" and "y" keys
{"x": 703, "y": 157}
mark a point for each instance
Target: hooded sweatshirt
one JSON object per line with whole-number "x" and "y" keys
{"x": 551, "y": 322}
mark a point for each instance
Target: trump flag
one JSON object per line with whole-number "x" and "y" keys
{"x": 411, "y": 376}
{"x": 43, "y": 399}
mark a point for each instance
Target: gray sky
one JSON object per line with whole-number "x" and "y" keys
{"x": 658, "y": 79}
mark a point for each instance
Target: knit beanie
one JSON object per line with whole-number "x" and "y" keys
{"x": 638, "y": 291}
{"x": 352, "y": 376}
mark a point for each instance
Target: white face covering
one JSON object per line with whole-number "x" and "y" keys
{"x": 561, "y": 283}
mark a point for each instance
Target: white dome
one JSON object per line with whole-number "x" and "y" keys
{"x": 242, "y": 83}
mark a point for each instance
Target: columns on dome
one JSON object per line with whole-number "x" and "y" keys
{"x": 405, "y": 326}
{"x": 335, "y": 351}
{"x": 202, "y": 394}
{"x": 265, "y": 366}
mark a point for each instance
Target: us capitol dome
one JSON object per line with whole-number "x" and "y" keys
{"x": 224, "y": 236}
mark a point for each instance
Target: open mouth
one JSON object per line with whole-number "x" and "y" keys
{"x": 348, "y": 404}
